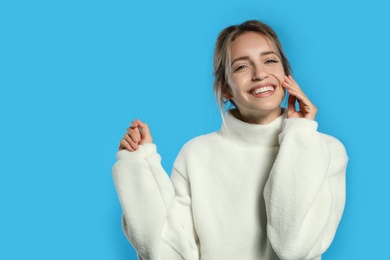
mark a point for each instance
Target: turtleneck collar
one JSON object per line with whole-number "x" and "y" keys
{"x": 251, "y": 135}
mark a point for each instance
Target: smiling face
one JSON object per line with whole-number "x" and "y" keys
{"x": 255, "y": 78}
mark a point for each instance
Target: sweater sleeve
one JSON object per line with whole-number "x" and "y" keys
{"x": 305, "y": 192}
{"x": 157, "y": 217}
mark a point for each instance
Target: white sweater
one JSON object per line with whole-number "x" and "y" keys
{"x": 247, "y": 192}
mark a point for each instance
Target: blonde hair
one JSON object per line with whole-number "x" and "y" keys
{"x": 222, "y": 54}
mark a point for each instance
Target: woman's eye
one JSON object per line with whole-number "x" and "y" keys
{"x": 271, "y": 61}
{"x": 240, "y": 67}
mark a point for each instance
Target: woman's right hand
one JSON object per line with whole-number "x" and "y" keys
{"x": 138, "y": 133}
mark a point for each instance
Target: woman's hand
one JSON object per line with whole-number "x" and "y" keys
{"x": 138, "y": 133}
{"x": 306, "y": 108}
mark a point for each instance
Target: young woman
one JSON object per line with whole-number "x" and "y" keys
{"x": 268, "y": 185}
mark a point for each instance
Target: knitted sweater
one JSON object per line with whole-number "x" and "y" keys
{"x": 247, "y": 192}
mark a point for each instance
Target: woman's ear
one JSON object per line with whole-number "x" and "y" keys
{"x": 227, "y": 97}
{"x": 227, "y": 93}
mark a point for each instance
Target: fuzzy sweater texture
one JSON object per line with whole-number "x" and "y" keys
{"x": 247, "y": 192}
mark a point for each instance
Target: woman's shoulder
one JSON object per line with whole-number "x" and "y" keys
{"x": 336, "y": 147}
{"x": 200, "y": 146}
{"x": 202, "y": 142}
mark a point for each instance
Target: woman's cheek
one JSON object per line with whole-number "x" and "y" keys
{"x": 279, "y": 77}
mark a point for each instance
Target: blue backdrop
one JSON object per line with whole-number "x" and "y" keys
{"x": 73, "y": 74}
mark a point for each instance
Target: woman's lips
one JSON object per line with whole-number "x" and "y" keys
{"x": 262, "y": 91}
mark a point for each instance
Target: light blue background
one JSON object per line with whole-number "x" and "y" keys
{"x": 73, "y": 74}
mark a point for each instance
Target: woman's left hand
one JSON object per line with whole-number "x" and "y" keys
{"x": 306, "y": 108}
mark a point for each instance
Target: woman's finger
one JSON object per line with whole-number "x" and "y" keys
{"x": 292, "y": 80}
{"x": 306, "y": 108}
{"x": 303, "y": 101}
{"x": 292, "y": 87}
{"x": 135, "y": 134}
{"x": 131, "y": 141}
{"x": 295, "y": 90}
{"x": 291, "y": 104}
{"x": 146, "y": 136}
{"x": 289, "y": 79}
{"x": 302, "y": 98}
{"x": 123, "y": 144}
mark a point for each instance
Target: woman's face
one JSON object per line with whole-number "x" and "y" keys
{"x": 256, "y": 77}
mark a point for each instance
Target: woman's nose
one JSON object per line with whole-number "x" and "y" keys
{"x": 259, "y": 73}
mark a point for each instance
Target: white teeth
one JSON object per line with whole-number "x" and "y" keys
{"x": 262, "y": 90}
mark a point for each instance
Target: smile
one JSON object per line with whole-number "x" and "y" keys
{"x": 261, "y": 90}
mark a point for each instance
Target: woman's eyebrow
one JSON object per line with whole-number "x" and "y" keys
{"x": 268, "y": 52}
{"x": 247, "y": 57}
{"x": 239, "y": 58}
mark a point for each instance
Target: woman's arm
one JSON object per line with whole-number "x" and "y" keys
{"x": 146, "y": 195}
{"x": 305, "y": 192}
{"x": 153, "y": 205}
